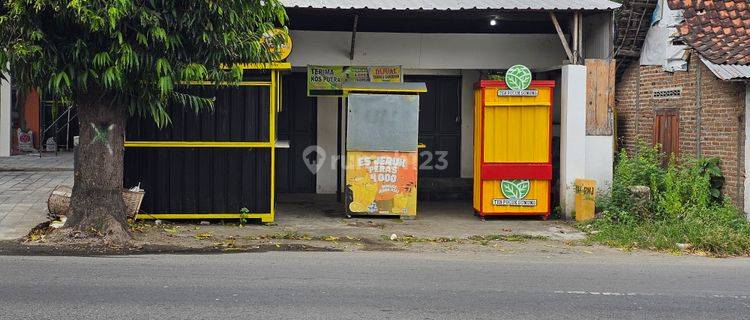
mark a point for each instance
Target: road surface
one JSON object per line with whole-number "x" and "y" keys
{"x": 374, "y": 285}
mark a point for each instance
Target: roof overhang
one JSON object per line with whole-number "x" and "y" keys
{"x": 454, "y": 5}
{"x": 729, "y": 72}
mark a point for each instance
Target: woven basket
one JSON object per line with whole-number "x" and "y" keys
{"x": 58, "y": 203}
{"x": 133, "y": 201}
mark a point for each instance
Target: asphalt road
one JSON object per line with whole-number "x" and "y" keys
{"x": 374, "y": 285}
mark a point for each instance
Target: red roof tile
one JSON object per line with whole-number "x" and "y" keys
{"x": 718, "y": 30}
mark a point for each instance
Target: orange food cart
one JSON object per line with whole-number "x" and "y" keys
{"x": 512, "y": 148}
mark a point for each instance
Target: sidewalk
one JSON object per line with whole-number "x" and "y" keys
{"x": 26, "y": 182}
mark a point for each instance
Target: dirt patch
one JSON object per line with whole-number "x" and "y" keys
{"x": 10, "y": 247}
{"x": 366, "y": 224}
{"x": 350, "y": 235}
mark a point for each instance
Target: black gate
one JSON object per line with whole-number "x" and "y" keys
{"x": 439, "y": 126}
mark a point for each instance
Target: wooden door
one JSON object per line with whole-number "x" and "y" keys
{"x": 667, "y": 132}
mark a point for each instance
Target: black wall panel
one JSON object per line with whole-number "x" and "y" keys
{"x": 239, "y": 114}
{"x": 205, "y": 180}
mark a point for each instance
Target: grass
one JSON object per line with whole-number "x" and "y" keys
{"x": 685, "y": 212}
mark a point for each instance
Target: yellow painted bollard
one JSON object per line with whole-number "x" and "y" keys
{"x": 585, "y": 199}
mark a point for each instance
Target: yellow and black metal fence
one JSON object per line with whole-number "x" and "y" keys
{"x": 215, "y": 163}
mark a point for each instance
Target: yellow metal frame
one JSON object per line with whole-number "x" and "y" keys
{"x": 196, "y": 144}
{"x": 274, "y": 107}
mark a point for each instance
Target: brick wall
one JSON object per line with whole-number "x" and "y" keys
{"x": 722, "y": 116}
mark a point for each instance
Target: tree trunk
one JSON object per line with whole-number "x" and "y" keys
{"x": 96, "y": 202}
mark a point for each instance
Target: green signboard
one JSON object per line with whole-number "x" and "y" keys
{"x": 328, "y": 80}
{"x": 518, "y": 77}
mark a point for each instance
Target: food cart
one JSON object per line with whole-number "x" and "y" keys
{"x": 512, "y": 146}
{"x": 381, "y": 148}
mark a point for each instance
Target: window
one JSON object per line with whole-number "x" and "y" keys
{"x": 667, "y": 132}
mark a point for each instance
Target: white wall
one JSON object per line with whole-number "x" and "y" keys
{"x": 5, "y": 134}
{"x": 581, "y": 156}
{"x": 572, "y": 133}
{"x": 327, "y": 133}
{"x": 600, "y": 157}
{"x": 468, "y": 78}
{"x": 427, "y": 51}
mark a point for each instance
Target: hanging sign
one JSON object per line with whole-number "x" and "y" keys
{"x": 328, "y": 80}
{"x": 518, "y": 79}
{"x": 283, "y": 49}
{"x": 515, "y": 193}
{"x": 385, "y": 74}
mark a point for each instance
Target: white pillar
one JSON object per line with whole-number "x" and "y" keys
{"x": 746, "y": 194}
{"x": 572, "y": 133}
{"x": 5, "y": 101}
{"x": 325, "y": 179}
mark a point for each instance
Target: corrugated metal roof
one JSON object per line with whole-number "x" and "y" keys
{"x": 728, "y": 71}
{"x": 454, "y": 4}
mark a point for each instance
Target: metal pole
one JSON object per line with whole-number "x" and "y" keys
{"x": 338, "y": 150}
{"x": 67, "y": 131}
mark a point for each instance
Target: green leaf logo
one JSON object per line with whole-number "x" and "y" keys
{"x": 515, "y": 189}
{"x": 518, "y": 77}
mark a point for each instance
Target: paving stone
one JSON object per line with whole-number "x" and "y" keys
{"x": 25, "y": 184}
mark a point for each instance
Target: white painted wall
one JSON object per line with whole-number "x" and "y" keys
{"x": 327, "y": 119}
{"x": 468, "y": 78}
{"x": 572, "y": 133}
{"x": 5, "y": 134}
{"x": 600, "y": 158}
{"x": 747, "y": 151}
{"x": 427, "y": 50}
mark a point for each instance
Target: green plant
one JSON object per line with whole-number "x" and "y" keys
{"x": 244, "y": 212}
{"x": 710, "y": 167}
{"x": 683, "y": 208}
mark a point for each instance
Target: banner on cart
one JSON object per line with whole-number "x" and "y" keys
{"x": 328, "y": 80}
{"x": 380, "y": 182}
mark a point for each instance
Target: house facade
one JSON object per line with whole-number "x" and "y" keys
{"x": 688, "y": 91}
{"x": 450, "y": 46}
